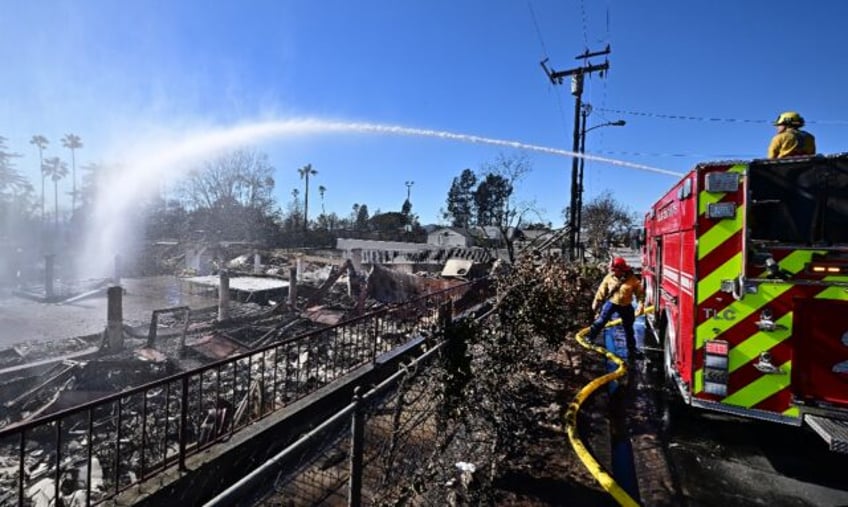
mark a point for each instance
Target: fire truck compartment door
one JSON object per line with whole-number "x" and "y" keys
{"x": 820, "y": 359}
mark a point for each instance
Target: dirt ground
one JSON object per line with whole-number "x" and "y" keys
{"x": 550, "y": 473}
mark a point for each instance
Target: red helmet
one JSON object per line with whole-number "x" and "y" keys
{"x": 619, "y": 264}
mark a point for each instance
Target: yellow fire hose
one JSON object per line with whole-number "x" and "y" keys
{"x": 604, "y": 479}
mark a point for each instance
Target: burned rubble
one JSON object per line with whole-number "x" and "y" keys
{"x": 40, "y": 379}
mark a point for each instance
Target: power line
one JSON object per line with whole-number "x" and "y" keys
{"x": 706, "y": 119}
{"x": 545, "y": 54}
{"x": 714, "y": 156}
{"x": 538, "y": 31}
{"x": 585, "y": 32}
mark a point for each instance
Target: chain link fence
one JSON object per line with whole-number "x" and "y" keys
{"x": 395, "y": 444}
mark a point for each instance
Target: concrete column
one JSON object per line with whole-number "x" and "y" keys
{"x": 223, "y": 295}
{"x": 257, "y": 263}
{"x": 299, "y": 264}
{"x": 292, "y": 287}
{"x": 48, "y": 276}
{"x": 356, "y": 259}
{"x": 115, "y": 318}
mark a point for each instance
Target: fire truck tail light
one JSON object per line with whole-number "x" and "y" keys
{"x": 721, "y": 210}
{"x": 827, "y": 269}
{"x": 717, "y": 347}
{"x": 716, "y": 372}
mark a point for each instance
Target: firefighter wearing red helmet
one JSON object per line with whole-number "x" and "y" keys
{"x": 615, "y": 297}
{"x": 790, "y": 140}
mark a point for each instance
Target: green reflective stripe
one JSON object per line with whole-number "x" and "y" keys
{"x": 711, "y": 283}
{"x": 698, "y": 384}
{"x": 794, "y": 262}
{"x": 760, "y": 341}
{"x": 712, "y": 328}
{"x": 719, "y": 233}
{"x": 797, "y": 260}
{"x": 762, "y": 388}
{"x": 706, "y": 198}
{"x": 792, "y": 412}
{"x": 837, "y": 292}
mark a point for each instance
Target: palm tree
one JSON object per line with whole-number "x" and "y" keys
{"x": 72, "y": 142}
{"x": 321, "y": 190}
{"x": 41, "y": 142}
{"x": 305, "y": 172}
{"x": 56, "y": 169}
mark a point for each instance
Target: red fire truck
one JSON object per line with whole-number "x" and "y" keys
{"x": 746, "y": 264}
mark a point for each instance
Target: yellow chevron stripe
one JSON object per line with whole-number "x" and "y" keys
{"x": 719, "y": 233}
{"x": 760, "y": 341}
{"x": 761, "y": 388}
{"x": 698, "y": 381}
{"x": 706, "y": 198}
{"x": 711, "y": 283}
{"x": 792, "y": 412}
{"x": 712, "y": 328}
{"x": 835, "y": 292}
{"x": 794, "y": 262}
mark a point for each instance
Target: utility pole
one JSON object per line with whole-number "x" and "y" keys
{"x": 585, "y": 111}
{"x": 556, "y": 78}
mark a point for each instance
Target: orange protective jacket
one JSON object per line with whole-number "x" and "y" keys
{"x": 620, "y": 290}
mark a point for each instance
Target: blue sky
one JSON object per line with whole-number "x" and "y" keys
{"x": 121, "y": 73}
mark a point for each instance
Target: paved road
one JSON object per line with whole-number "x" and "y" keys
{"x": 720, "y": 460}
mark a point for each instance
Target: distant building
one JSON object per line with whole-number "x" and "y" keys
{"x": 449, "y": 237}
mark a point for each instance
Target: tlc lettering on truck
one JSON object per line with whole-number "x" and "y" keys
{"x": 747, "y": 268}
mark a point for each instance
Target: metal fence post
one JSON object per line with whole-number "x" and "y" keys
{"x": 357, "y": 433}
{"x": 376, "y": 337}
{"x": 183, "y": 423}
{"x": 446, "y": 318}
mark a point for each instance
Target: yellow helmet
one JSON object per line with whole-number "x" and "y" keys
{"x": 790, "y": 118}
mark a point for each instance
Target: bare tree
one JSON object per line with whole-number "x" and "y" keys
{"x": 73, "y": 142}
{"x": 41, "y": 142}
{"x": 305, "y": 172}
{"x": 507, "y": 213}
{"x": 242, "y": 177}
{"x": 604, "y": 219}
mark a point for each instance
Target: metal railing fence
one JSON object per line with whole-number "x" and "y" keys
{"x": 94, "y": 451}
{"x": 393, "y": 445}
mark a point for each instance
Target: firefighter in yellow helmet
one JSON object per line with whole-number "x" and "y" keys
{"x": 615, "y": 296}
{"x": 790, "y": 140}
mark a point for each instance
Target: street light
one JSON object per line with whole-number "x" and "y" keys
{"x": 616, "y": 123}
{"x": 579, "y": 201}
